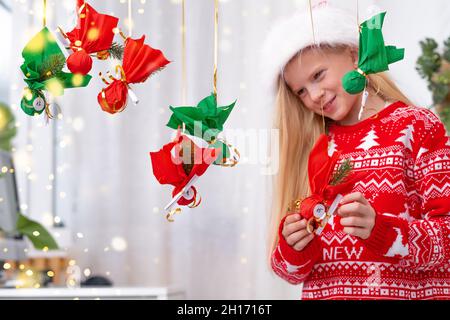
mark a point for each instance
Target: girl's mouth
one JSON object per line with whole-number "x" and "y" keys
{"x": 329, "y": 105}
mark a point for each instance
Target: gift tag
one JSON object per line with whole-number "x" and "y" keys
{"x": 38, "y": 104}
{"x": 319, "y": 211}
{"x": 330, "y": 216}
{"x": 188, "y": 195}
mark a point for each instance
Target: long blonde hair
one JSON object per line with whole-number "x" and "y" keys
{"x": 299, "y": 128}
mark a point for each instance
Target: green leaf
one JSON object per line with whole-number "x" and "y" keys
{"x": 207, "y": 112}
{"x": 446, "y": 53}
{"x": 342, "y": 172}
{"x": 36, "y": 233}
{"x": 51, "y": 66}
{"x": 116, "y": 50}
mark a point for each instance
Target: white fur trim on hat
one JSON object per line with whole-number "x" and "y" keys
{"x": 288, "y": 36}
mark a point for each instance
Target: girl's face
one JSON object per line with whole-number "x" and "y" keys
{"x": 315, "y": 77}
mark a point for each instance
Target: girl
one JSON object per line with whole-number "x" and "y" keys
{"x": 390, "y": 238}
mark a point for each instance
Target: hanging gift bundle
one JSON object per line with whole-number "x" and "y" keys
{"x": 181, "y": 162}
{"x": 139, "y": 62}
{"x": 42, "y": 67}
{"x": 92, "y": 37}
{"x": 373, "y": 57}
{"x": 197, "y": 145}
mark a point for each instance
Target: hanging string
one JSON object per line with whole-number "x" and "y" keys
{"x": 357, "y": 13}
{"x": 312, "y": 22}
{"x": 183, "y": 57}
{"x": 183, "y": 54}
{"x": 323, "y": 117}
{"x": 80, "y": 4}
{"x": 357, "y": 16}
{"x": 44, "y": 22}
{"x": 216, "y": 22}
{"x": 314, "y": 42}
{"x": 130, "y": 27}
{"x": 365, "y": 93}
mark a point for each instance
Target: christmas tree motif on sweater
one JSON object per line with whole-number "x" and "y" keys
{"x": 369, "y": 140}
{"x": 407, "y": 137}
{"x": 398, "y": 247}
{"x": 331, "y": 146}
{"x": 405, "y": 214}
{"x": 422, "y": 150}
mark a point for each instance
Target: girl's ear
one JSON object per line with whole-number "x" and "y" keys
{"x": 354, "y": 56}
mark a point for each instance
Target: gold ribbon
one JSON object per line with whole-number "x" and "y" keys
{"x": 233, "y": 159}
{"x": 119, "y": 69}
{"x": 122, "y": 35}
{"x": 44, "y": 17}
{"x": 47, "y": 111}
{"x": 195, "y": 203}
{"x": 172, "y": 213}
{"x": 361, "y": 72}
{"x": 130, "y": 27}
{"x": 312, "y": 23}
{"x": 320, "y": 222}
{"x": 192, "y": 205}
{"x": 216, "y": 22}
{"x": 183, "y": 54}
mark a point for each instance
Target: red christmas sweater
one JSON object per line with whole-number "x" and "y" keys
{"x": 404, "y": 153}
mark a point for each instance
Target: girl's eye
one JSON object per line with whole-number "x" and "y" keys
{"x": 301, "y": 92}
{"x": 318, "y": 74}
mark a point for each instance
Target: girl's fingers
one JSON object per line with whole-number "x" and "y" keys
{"x": 354, "y": 221}
{"x": 355, "y": 196}
{"x": 294, "y": 227}
{"x": 357, "y": 232}
{"x": 304, "y": 242}
{"x": 352, "y": 209}
{"x": 296, "y": 237}
{"x": 291, "y": 218}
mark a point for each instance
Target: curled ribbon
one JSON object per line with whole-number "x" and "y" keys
{"x": 172, "y": 213}
{"x": 234, "y": 157}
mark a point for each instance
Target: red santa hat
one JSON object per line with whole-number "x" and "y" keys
{"x": 289, "y": 35}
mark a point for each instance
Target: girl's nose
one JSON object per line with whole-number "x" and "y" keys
{"x": 317, "y": 95}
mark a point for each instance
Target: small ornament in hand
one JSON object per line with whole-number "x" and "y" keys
{"x": 327, "y": 192}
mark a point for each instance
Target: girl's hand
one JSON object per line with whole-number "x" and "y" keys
{"x": 295, "y": 233}
{"x": 358, "y": 216}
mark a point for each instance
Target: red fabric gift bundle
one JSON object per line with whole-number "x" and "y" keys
{"x": 139, "y": 62}
{"x": 168, "y": 168}
{"x": 93, "y": 34}
{"x": 320, "y": 169}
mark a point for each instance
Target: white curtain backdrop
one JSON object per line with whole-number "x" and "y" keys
{"x": 93, "y": 169}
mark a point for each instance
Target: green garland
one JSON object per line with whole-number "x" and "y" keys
{"x": 342, "y": 172}
{"x": 116, "y": 50}
{"x": 435, "y": 68}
